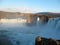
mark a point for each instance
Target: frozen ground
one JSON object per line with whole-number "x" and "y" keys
{"x": 25, "y": 35}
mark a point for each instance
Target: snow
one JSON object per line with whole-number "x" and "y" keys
{"x": 25, "y": 35}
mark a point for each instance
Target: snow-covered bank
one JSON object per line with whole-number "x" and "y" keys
{"x": 25, "y": 35}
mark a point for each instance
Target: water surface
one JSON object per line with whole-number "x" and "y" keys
{"x": 21, "y": 31}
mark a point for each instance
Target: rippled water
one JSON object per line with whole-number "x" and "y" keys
{"x": 25, "y": 34}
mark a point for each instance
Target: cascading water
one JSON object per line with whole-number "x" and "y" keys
{"x": 22, "y": 34}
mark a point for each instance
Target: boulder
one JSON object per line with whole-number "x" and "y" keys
{"x": 45, "y": 41}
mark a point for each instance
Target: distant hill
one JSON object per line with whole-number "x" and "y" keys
{"x": 9, "y": 15}
{"x": 12, "y": 15}
{"x": 49, "y": 14}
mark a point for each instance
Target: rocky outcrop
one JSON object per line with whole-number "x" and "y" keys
{"x": 44, "y": 41}
{"x": 44, "y": 18}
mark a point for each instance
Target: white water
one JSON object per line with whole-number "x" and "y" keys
{"x": 26, "y": 34}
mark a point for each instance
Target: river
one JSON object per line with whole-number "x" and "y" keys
{"x": 26, "y": 34}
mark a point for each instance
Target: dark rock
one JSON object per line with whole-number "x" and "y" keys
{"x": 44, "y": 18}
{"x": 38, "y": 41}
{"x": 44, "y": 41}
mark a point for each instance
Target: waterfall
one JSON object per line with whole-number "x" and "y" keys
{"x": 25, "y": 35}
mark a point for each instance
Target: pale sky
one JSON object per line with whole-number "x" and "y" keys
{"x": 30, "y": 5}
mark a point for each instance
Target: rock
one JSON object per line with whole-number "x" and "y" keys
{"x": 38, "y": 41}
{"x": 44, "y": 19}
{"x": 44, "y": 41}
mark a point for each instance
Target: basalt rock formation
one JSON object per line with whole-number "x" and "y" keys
{"x": 44, "y": 41}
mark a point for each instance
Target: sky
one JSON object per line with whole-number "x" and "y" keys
{"x": 31, "y": 6}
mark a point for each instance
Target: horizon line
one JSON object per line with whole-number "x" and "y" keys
{"x": 24, "y": 11}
